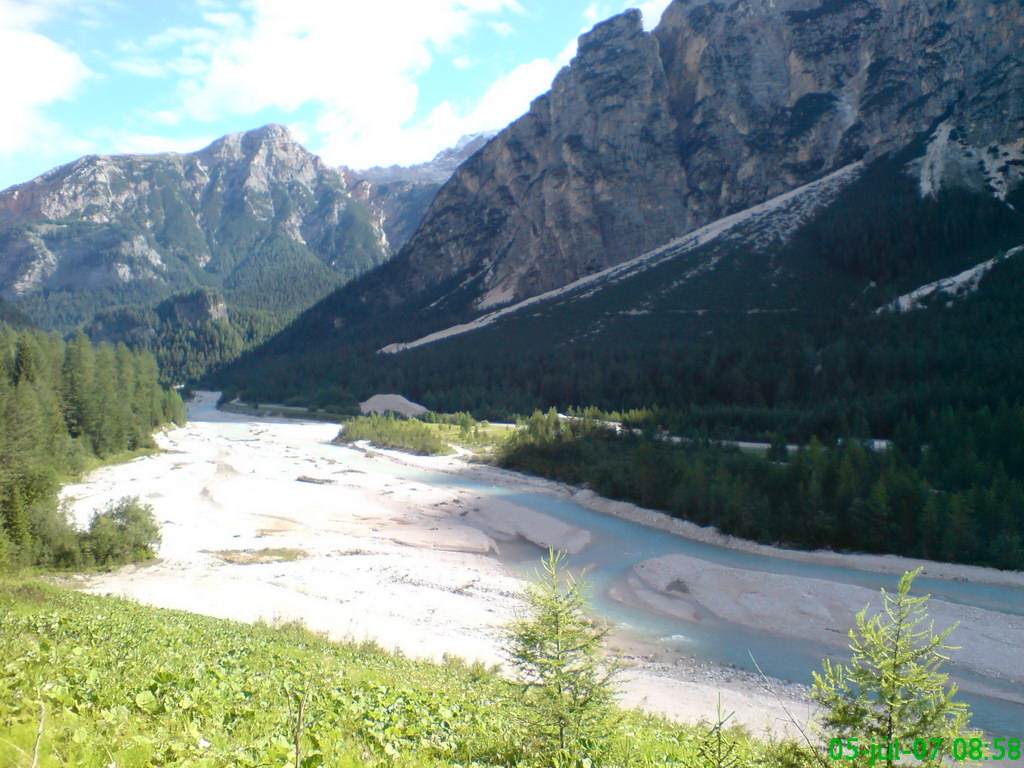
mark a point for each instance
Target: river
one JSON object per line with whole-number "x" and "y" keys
{"x": 225, "y": 478}
{"x": 617, "y": 545}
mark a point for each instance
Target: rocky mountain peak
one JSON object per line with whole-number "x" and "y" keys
{"x": 263, "y": 155}
{"x": 271, "y": 132}
{"x": 247, "y": 206}
{"x": 435, "y": 171}
{"x": 588, "y": 175}
{"x": 628, "y": 24}
{"x": 647, "y": 136}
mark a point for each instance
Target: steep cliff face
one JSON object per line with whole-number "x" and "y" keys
{"x": 728, "y": 103}
{"x": 399, "y": 196}
{"x": 197, "y": 307}
{"x": 584, "y": 179}
{"x": 253, "y": 213}
{"x": 770, "y": 94}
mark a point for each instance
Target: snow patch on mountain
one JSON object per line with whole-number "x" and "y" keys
{"x": 934, "y": 162}
{"x": 771, "y": 221}
{"x": 950, "y": 161}
{"x": 497, "y": 296}
{"x": 955, "y": 287}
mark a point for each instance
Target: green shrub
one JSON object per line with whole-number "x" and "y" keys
{"x": 391, "y": 432}
{"x": 124, "y": 532}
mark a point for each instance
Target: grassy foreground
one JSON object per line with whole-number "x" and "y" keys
{"x": 94, "y": 681}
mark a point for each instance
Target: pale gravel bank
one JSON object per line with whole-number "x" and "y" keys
{"x": 408, "y": 563}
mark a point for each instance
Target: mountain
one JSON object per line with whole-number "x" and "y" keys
{"x": 253, "y": 215}
{"x": 198, "y": 256}
{"x": 645, "y": 137}
{"x": 581, "y": 181}
{"x": 400, "y": 196}
{"x": 435, "y": 171}
{"x": 818, "y": 158}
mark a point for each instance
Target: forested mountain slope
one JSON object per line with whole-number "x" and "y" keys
{"x": 911, "y": 165}
{"x": 771, "y": 316}
{"x": 645, "y": 137}
{"x": 253, "y": 215}
{"x": 253, "y": 220}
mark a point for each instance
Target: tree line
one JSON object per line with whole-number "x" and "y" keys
{"x": 64, "y": 407}
{"x": 943, "y": 500}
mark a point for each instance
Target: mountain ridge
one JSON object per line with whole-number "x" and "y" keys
{"x": 744, "y": 102}
{"x": 746, "y": 110}
{"x": 253, "y": 219}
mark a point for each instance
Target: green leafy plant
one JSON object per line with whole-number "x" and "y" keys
{"x": 893, "y": 688}
{"x": 126, "y": 684}
{"x": 555, "y": 650}
{"x": 125, "y": 531}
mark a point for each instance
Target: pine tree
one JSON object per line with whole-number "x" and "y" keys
{"x": 556, "y": 653}
{"x": 26, "y": 360}
{"x": 892, "y": 689}
{"x": 57, "y": 401}
{"x": 15, "y": 517}
{"x": 110, "y": 433}
{"x": 77, "y": 375}
{"x": 6, "y": 551}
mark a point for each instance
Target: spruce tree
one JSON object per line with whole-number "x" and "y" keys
{"x": 15, "y": 517}
{"x": 77, "y": 376}
{"x": 26, "y": 360}
{"x": 6, "y": 552}
{"x": 893, "y": 688}
{"x": 555, "y": 651}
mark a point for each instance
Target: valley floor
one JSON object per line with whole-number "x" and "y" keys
{"x": 265, "y": 519}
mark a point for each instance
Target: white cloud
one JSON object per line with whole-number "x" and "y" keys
{"x": 593, "y": 13}
{"x": 143, "y": 67}
{"x": 510, "y": 96}
{"x": 503, "y": 28}
{"x": 350, "y": 61}
{"x": 147, "y": 144}
{"x": 506, "y": 100}
{"x": 17, "y": 14}
{"x": 55, "y": 74}
{"x": 652, "y": 11}
{"x": 163, "y": 116}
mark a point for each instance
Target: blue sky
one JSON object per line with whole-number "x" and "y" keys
{"x": 362, "y": 82}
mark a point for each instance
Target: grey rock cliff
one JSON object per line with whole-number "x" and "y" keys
{"x": 584, "y": 179}
{"x": 196, "y": 307}
{"x": 770, "y": 94}
{"x": 728, "y": 103}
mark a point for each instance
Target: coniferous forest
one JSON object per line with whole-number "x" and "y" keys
{"x": 64, "y": 407}
{"x": 950, "y": 490}
{"x": 944, "y": 383}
